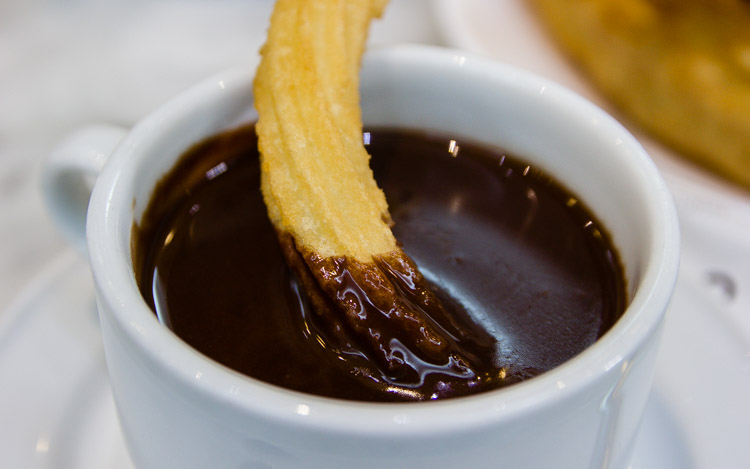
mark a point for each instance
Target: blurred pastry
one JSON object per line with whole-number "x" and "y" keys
{"x": 678, "y": 68}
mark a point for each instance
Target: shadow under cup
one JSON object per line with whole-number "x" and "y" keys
{"x": 177, "y": 408}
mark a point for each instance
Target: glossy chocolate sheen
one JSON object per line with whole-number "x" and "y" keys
{"x": 513, "y": 256}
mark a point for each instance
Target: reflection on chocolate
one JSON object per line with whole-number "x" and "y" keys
{"x": 527, "y": 274}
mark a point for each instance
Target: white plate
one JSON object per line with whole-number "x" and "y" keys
{"x": 701, "y": 401}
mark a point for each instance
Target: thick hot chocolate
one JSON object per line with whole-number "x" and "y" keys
{"x": 528, "y": 274}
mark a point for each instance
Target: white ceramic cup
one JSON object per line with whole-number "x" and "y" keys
{"x": 180, "y": 409}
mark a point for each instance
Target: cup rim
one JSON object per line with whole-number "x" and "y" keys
{"x": 239, "y": 395}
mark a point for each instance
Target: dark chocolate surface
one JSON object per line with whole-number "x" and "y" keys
{"x": 506, "y": 249}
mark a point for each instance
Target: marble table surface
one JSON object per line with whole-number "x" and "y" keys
{"x": 66, "y": 64}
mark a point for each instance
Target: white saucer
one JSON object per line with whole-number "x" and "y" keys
{"x": 57, "y": 411}
{"x": 56, "y": 406}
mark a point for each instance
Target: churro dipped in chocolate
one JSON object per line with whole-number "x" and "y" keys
{"x": 371, "y": 302}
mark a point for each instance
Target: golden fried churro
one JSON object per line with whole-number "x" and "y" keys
{"x": 332, "y": 218}
{"x": 316, "y": 176}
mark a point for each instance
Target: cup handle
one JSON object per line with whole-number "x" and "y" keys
{"x": 69, "y": 175}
